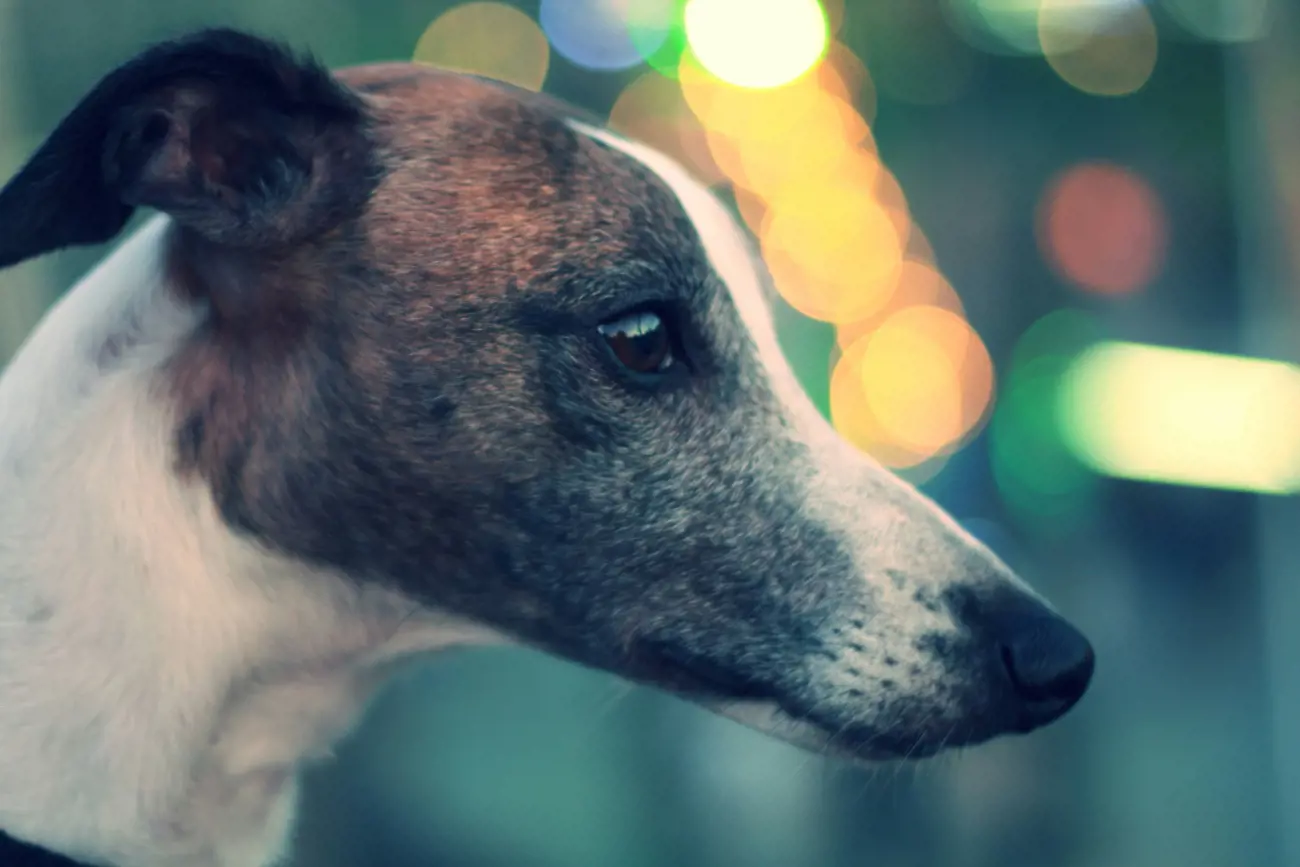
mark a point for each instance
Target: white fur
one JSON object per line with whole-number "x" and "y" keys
{"x": 160, "y": 678}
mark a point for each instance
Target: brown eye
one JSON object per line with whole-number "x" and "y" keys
{"x": 640, "y": 342}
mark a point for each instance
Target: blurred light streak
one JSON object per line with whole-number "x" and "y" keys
{"x": 757, "y": 45}
{"x": 607, "y": 34}
{"x": 1103, "y": 228}
{"x": 1192, "y": 418}
{"x": 489, "y": 39}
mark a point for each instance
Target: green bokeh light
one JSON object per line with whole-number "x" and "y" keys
{"x": 662, "y": 41}
{"x": 1043, "y": 484}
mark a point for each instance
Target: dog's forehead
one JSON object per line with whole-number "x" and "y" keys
{"x": 489, "y": 187}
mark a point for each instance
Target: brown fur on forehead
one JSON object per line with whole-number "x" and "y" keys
{"x": 488, "y": 187}
{"x": 385, "y": 354}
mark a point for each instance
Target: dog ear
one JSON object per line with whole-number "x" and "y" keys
{"x": 231, "y": 135}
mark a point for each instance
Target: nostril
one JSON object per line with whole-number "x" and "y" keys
{"x": 1048, "y": 660}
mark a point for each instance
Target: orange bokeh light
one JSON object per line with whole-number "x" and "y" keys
{"x": 918, "y": 246}
{"x": 652, "y": 109}
{"x": 914, "y": 387}
{"x": 844, "y": 74}
{"x": 918, "y": 283}
{"x": 852, "y": 416}
{"x": 837, "y": 251}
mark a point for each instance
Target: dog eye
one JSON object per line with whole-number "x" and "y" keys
{"x": 641, "y": 342}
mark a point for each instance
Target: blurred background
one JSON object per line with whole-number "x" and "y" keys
{"x": 1039, "y": 256}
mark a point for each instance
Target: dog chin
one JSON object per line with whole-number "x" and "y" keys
{"x": 853, "y": 745}
{"x": 771, "y": 719}
{"x": 856, "y": 748}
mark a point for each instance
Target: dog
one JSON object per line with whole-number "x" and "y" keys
{"x": 409, "y": 359}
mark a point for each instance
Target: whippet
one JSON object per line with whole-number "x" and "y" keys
{"x": 409, "y": 359}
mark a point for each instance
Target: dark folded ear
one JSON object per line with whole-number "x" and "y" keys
{"x": 231, "y": 135}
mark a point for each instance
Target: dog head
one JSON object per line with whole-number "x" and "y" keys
{"x": 460, "y": 342}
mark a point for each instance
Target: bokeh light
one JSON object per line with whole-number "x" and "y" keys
{"x": 1099, "y": 47}
{"x": 842, "y": 72}
{"x": 653, "y": 110}
{"x": 1040, "y": 479}
{"x": 835, "y": 12}
{"x": 834, "y": 251}
{"x": 853, "y": 418}
{"x": 664, "y": 54}
{"x": 918, "y": 246}
{"x": 1102, "y": 47}
{"x": 909, "y": 380}
{"x": 489, "y": 39}
{"x": 1222, "y": 20}
{"x": 912, "y": 388}
{"x": 918, "y": 283}
{"x": 607, "y": 34}
{"x": 915, "y": 371}
{"x": 1193, "y": 418}
{"x": 997, "y": 26}
{"x": 1103, "y": 228}
{"x": 756, "y": 45}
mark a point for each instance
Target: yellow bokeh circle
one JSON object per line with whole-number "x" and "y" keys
{"x": 489, "y": 39}
{"x": 919, "y": 283}
{"x": 914, "y": 387}
{"x": 835, "y": 250}
{"x": 1104, "y": 55}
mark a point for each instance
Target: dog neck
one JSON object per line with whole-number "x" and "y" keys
{"x": 160, "y": 677}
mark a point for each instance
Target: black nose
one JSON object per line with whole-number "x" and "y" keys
{"x": 1048, "y": 661}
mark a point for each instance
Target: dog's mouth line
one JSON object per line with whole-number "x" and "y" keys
{"x": 696, "y": 678}
{"x": 717, "y": 686}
